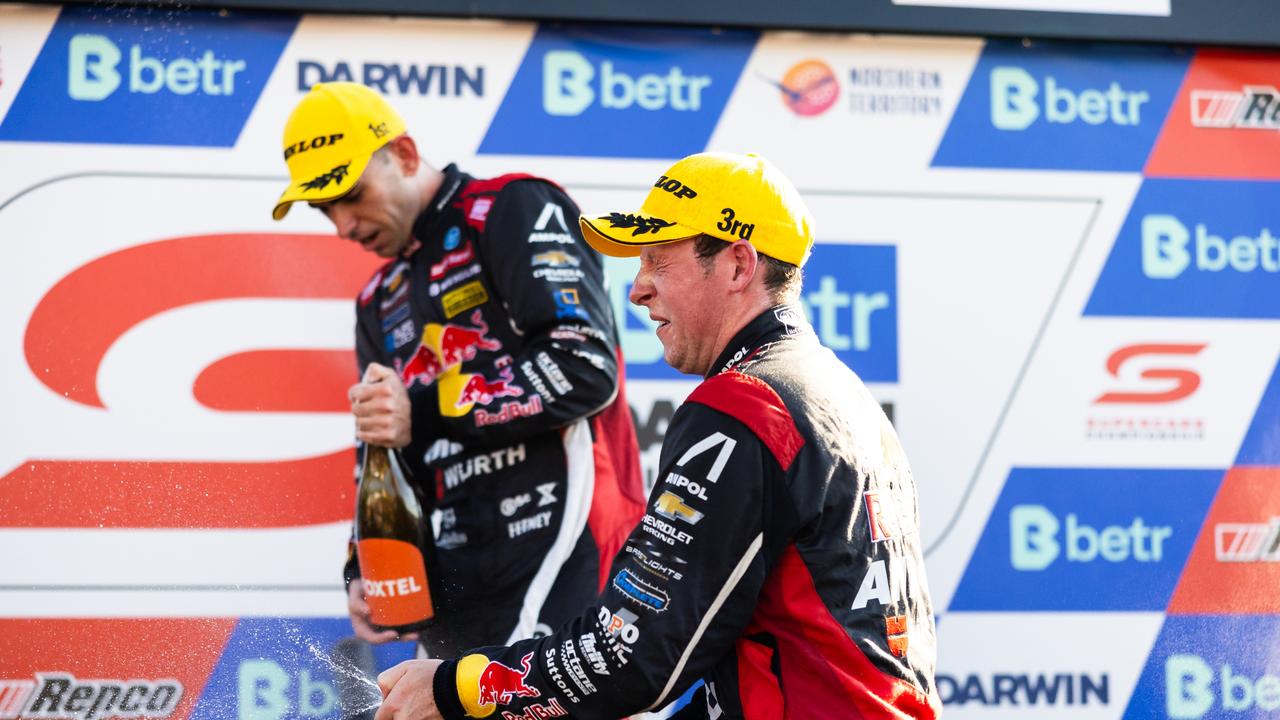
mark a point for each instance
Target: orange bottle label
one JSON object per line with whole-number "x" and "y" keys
{"x": 395, "y": 582}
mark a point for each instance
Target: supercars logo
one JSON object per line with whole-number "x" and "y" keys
{"x": 213, "y": 273}
{"x": 1182, "y": 382}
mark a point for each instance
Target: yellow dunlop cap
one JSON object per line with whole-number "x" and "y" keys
{"x": 724, "y": 195}
{"x": 329, "y": 139}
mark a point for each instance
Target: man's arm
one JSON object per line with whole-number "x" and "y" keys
{"x": 678, "y": 597}
{"x": 552, "y": 287}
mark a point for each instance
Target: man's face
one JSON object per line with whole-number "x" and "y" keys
{"x": 378, "y": 212}
{"x": 685, "y": 301}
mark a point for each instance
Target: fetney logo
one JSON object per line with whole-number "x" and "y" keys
{"x": 1178, "y": 383}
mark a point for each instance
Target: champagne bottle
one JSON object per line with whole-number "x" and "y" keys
{"x": 391, "y": 537}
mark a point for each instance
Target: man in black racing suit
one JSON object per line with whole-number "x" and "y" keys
{"x": 490, "y": 355}
{"x": 779, "y": 559}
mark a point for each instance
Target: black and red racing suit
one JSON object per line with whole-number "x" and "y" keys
{"x": 779, "y": 560}
{"x": 523, "y": 445}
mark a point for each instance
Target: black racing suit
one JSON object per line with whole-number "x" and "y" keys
{"x": 779, "y": 560}
{"x": 523, "y": 445}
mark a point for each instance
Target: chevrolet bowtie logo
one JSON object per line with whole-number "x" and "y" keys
{"x": 672, "y": 506}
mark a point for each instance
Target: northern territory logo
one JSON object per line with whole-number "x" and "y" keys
{"x": 633, "y": 92}
{"x": 147, "y": 76}
{"x": 808, "y": 88}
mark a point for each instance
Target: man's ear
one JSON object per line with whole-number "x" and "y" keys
{"x": 746, "y": 261}
{"x": 404, "y": 151}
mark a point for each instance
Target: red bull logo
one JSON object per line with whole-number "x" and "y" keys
{"x": 480, "y": 390}
{"x": 499, "y": 684}
{"x": 447, "y": 346}
{"x": 459, "y": 343}
{"x": 423, "y": 367}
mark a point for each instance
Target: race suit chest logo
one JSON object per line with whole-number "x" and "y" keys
{"x": 61, "y": 695}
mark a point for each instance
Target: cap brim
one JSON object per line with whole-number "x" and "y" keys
{"x": 623, "y": 234}
{"x": 327, "y": 186}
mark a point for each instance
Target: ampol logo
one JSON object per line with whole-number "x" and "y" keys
{"x": 1049, "y": 545}
{"x": 1194, "y": 249}
{"x": 809, "y": 88}
{"x": 193, "y": 76}
{"x": 1225, "y": 120}
{"x": 618, "y": 93}
{"x": 1059, "y": 106}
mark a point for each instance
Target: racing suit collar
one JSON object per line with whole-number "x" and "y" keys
{"x": 768, "y": 327}
{"x": 453, "y": 181}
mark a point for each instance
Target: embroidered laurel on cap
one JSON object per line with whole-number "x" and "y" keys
{"x": 330, "y": 137}
{"x": 725, "y": 195}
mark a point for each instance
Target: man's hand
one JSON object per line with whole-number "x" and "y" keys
{"x": 407, "y": 691}
{"x": 360, "y": 621}
{"x": 380, "y": 403}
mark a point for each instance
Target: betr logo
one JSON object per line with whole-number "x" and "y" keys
{"x": 1034, "y": 540}
{"x": 92, "y": 75}
{"x": 567, "y": 86}
{"x": 1015, "y": 102}
{"x": 1166, "y": 249}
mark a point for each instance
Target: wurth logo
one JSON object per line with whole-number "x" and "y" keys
{"x": 1256, "y": 107}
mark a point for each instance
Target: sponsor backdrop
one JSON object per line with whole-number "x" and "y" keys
{"x": 1055, "y": 264}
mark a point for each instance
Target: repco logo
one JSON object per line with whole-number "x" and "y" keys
{"x": 314, "y": 144}
{"x": 675, "y": 187}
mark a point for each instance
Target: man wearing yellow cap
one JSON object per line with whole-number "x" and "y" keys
{"x": 489, "y": 353}
{"x": 779, "y": 559}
